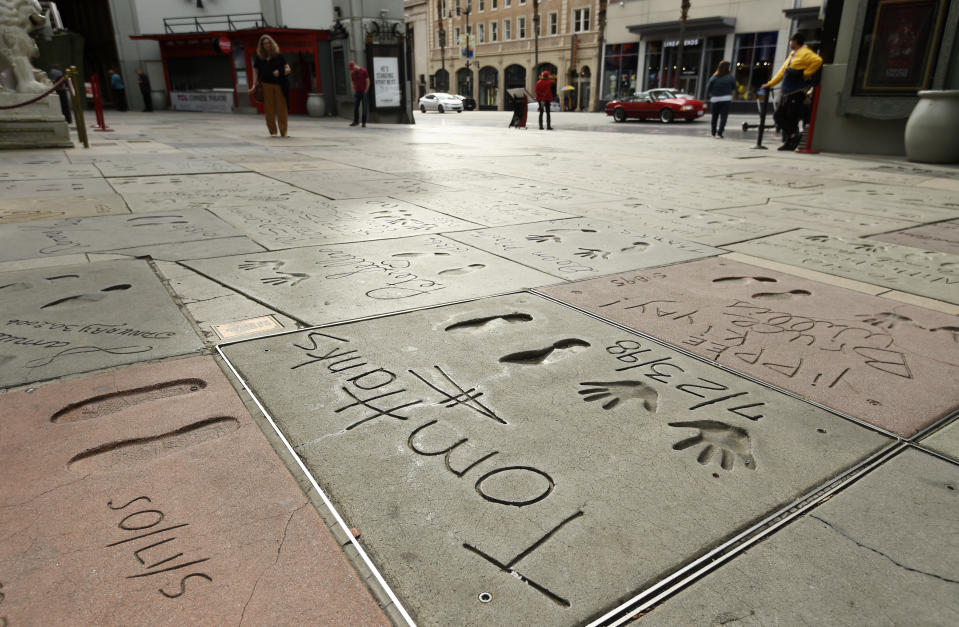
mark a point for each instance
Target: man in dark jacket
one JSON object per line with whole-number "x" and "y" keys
{"x": 544, "y": 96}
{"x": 144, "y": 82}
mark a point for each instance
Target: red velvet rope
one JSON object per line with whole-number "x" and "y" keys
{"x": 40, "y": 97}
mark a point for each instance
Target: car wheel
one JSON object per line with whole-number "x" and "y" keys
{"x": 666, "y": 116}
{"x": 440, "y": 109}
{"x": 423, "y": 108}
{"x": 619, "y": 114}
{"x": 460, "y": 111}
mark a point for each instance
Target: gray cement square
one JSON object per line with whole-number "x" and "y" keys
{"x": 201, "y": 249}
{"x": 838, "y": 222}
{"x": 49, "y": 207}
{"x": 713, "y": 228}
{"x": 343, "y": 281}
{"x": 515, "y": 451}
{"x": 889, "y": 364}
{"x": 944, "y": 441}
{"x": 188, "y": 165}
{"x": 931, "y": 274}
{"x": 914, "y": 204}
{"x": 581, "y": 248}
{"x": 781, "y": 180}
{"x": 47, "y": 238}
{"x": 237, "y": 183}
{"x": 70, "y": 319}
{"x": 342, "y": 186}
{"x": 314, "y": 222}
{"x": 46, "y": 172}
{"x": 882, "y": 552}
{"x": 487, "y": 209}
{"x": 941, "y": 236}
{"x": 42, "y": 188}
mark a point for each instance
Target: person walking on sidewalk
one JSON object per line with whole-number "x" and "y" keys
{"x": 144, "y": 83}
{"x": 544, "y": 96}
{"x": 719, "y": 90}
{"x": 796, "y": 75}
{"x": 270, "y": 70}
{"x": 119, "y": 90}
{"x": 361, "y": 90}
{"x": 63, "y": 93}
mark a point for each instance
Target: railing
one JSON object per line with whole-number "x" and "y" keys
{"x": 206, "y": 23}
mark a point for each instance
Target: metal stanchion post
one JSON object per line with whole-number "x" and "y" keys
{"x": 762, "y": 121}
{"x": 807, "y": 149}
{"x": 101, "y": 125}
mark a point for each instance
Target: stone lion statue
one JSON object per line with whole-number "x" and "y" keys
{"x": 18, "y": 18}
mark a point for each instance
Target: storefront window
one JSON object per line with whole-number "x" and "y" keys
{"x": 754, "y": 55}
{"x": 488, "y": 88}
{"x": 619, "y": 73}
{"x": 464, "y": 82}
{"x": 442, "y": 81}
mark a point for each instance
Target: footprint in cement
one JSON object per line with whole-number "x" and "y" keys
{"x": 489, "y": 322}
{"x": 745, "y": 279}
{"x": 105, "y": 404}
{"x": 790, "y": 295}
{"x": 551, "y": 354}
{"x": 89, "y": 298}
{"x": 414, "y": 255}
{"x": 619, "y": 391}
{"x": 129, "y": 453}
{"x": 473, "y": 267}
{"x": 28, "y": 285}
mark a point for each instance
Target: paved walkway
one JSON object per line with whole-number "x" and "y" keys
{"x": 458, "y": 374}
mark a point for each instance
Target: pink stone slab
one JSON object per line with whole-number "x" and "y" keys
{"x": 942, "y": 237}
{"x": 159, "y": 503}
{"x": 890, "y": 364}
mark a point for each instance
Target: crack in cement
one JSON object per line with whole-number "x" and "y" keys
{"x": 276, "y": 559}
{"x": 878, "y": 552}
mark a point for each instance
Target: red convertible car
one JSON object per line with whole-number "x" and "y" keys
{"x": 657, "y": 103}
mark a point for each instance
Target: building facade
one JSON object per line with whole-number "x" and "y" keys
{"x": 642, "y": 48}
{"x": 481, "y": 48}
{"x": 205, "y": 46}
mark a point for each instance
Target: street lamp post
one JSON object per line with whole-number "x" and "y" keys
{"x": 684, "y": 11}
{"x": 536, "y": 33}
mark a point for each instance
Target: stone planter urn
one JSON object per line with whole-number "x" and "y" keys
{"x": 931, "y": 129}
{"x": 315, "y": 105}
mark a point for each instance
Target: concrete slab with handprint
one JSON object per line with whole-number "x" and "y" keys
{"x": 513, "y": 461}
{"x": 848, "y": 562}
{"x": 878, "y": 360}
{"x": 915, "y": 204}
{"x": 289, "y": 223}
{"x": 941, "y": 236}
{"x": 67, "y": 236}
{"x": 70, "y": 319}
{"x": 826, "y": 220}
{"x": 580, "y": 248}
{"x": 912, "y": 270}
{"x": 319, "y": 285}
{"x": 486, "y": 209}
{"x": 713, "y": 228}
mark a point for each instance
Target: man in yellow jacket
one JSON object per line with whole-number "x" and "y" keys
{"x": 795, "y": 75}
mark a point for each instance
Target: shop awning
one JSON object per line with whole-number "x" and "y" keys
{"x": 700, "y": 26}
{"x": 802, "y": 13}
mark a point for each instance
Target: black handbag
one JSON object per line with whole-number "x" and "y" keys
{"x": 258, "y": 93}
